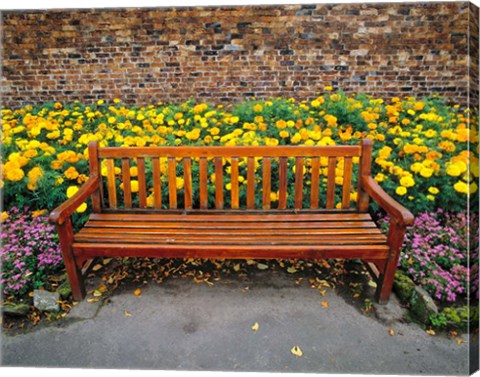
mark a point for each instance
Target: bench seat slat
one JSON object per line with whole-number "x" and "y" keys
{"x": 371, "y": 252}
{"x": 233, "y": 217}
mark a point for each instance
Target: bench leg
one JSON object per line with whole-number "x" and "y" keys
{"x": 65, "y": 235}
{"x": 385, "y": 281}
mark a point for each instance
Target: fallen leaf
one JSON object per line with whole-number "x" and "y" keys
{"x": 297, "y": 351}
{"x": 250, "y": 262}
{"x": 356, "y": 295}
{"x": 322, "y": 292}
{"x": 372, "y": 284}
{"x": 324, "y": 304}
{"x": 97, "y": 267}
{"x": 107, "y": 261}
{"x": 291, "y": 270}
{"x": 459, "y": 341}
{"x": 430, "y": 332}
{"x": 255, "y": 326}
{"x": 127, "y": 314}
{"x": 97, "y": 293}
{"x": 236, "y": 268}
{"x": 391, "y": 332}
{"x": 92, "y": 300}
{"x": 262, "y": 266}
{"x": 137, "y": 292}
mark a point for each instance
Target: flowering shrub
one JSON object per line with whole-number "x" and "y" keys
{"x": 30, "y": 251}
{"x": 421, "y": 146}
{"x": 435, "y": 253}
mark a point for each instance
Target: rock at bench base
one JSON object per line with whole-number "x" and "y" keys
{"x": 46, "y": 301}
{"x": 16, "y": 310}
{"x": 422, "y": 305}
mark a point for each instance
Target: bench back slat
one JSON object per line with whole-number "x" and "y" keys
{"x": 266, "y": 182}
{"x": 282, "y": 183}
{"x": 218, "y": 178}
{"x": 187, "y": 182}
{"x": 142, "y": 186}
{"x": 157, "y": 183}
{"x": 235, "y": 202}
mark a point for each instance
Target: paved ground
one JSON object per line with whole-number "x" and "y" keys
{"x": 180, "y": 325}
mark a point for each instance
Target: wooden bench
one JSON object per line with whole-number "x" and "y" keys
{"x": 252, "y": 202}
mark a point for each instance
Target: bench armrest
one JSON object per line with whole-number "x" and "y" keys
{"x": 395, "y": 210}
{"x": 66, "y": 209}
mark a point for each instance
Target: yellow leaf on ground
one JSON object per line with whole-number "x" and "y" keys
{"x": 325, "y": 304}
{"x": 97, "y": 267}
{"x": 291, "y": 270}
{"x": 127, "y": 314}
{"x": 297, "y": 351}
{"x": 430, "y": 332}
{"x": 97, "y": 293}
{"x": 391, "y": 332}
{"x": 459, "y": 342}
{"x": 92, "y": 300}
{"x": 236, "y": 267}
{"x": 107, "y": 261}
{"x": 262, "y": 266}
{"x": 137, "y": 292}
{"x": 255, "y": 326}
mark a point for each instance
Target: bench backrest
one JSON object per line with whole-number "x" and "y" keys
{"x": 233, "y": 177}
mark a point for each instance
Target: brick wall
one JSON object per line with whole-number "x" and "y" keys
{"x": 144, "y": 55}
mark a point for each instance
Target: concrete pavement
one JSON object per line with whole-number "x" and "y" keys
{"x": 180, "y": 325}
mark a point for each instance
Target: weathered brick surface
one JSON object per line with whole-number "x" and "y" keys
{"x": 143, "y": 55}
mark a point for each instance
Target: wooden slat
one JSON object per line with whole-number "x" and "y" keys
{"x": 244, "y": 232}
{"x": 282, "y": 185}
{"x": 364, "y": 170}
{"x": 127, "y": 186}
{"x": 331, "y": 182}
{"x": 231, "y": 151}
{"x": 234, "y": 182}
{"x": 203, "y": 183}
{"x": 372, "y": 252}
{"x": 238, "y": 216}
{"x": 111, "y": 183}
{"x": 251, "y": 182}
{"x": 157, "y": 186}
{"x": 226, "y": 225}
{"x": 142, "y": 183}
{"x": 187, "y": 182}
{"x": 347, "y": 182}
{"x": 218, "y": 183}
{"x": 97, "y": 196}
{"x": 266, "y": 182}
{"x": 299, "y": 162}
{"x": 172, "y": 182}
{"x": 314, "y": 187}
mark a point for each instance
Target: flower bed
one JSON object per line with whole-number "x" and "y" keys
{"x": 30, "y": 252}
{"x": 421, "y": 158}
{"x": 421, "y": 146}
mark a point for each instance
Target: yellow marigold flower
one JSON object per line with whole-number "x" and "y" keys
{"x": 17, "y": 158}
{"x": 214, "y": 131}
{"x": 461, "y": 187}
{"x": 116, "y": 100}
{"x": 39, "y": 212}
{"x": 328, "y": 88}
{"x": 447, "y": 146}
{"x": 258, "y": 108}
{"x": 273, "y": 196}
{"x": 281, "y": 124}
{"x": 407, "y": 181}
{"x": 82, "y": 208}
{"x": 426, "y": 172}
{"x": 284, "y": 134}
{"x": 133, "y": 171}
{"x": 112, "y": 120}
{"x": 339, "y": 180}
{"x": 100, "y": 102}
{"x": 179, "y": 183}
{"x": 379, "y": 177}
{"x": 454, "y": 170}
{"x": 4, "y": 216}
{"x": 433, "y": 190}
{"x": 296, "y": 138}
{"x": 331, "y": 120}
{"x": 473, "y": 188}
{"x": 14, "y": 175}
{"x": 71, "y": 173}
{"x": 71, "y": 190}
{"x": 430, "y": 197}
{"x": 400, "y": 190}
